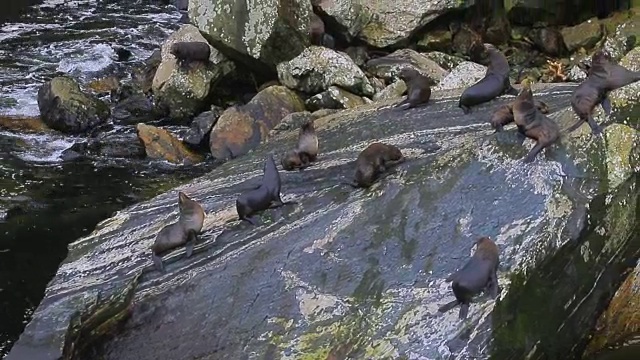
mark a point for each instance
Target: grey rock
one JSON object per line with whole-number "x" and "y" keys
{"x": 64, "y": 107}
{"x": 184, "y": 90}
{"x": 371, "y": 262}
{"x": 333, "y": 98}
{"x": 317, "y": 68}
{"x": 389, "y": 66}
{"x": 262, "y": 33}
{"x": 198, "y": 133}
{"x": 380, "y": 23}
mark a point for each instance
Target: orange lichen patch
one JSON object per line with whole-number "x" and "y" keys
{"x": 104, "y": 85}
{"x": 555, "y": 72}
{"x": 22, "y": 123}
{"x": 621, "y": 319}
{"x": 161, "y": 144}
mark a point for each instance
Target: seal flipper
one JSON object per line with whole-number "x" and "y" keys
{"x": 448, "y": 306}
{"x": 465, "y": 109}
{"x": 157, "y": 261}
{"x": 606, "y": 105}
{"x": 464, "y": 311}
{"x": 595, "y": 128}
{"x": 511, "y": 91}
{"x": 247, "y": 219}
{"x": 532, "y": 154}
{"x": 192, "y": 237}
{"x": 492, "y": 286}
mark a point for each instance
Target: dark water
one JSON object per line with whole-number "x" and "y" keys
{"x": 45, "y": 204}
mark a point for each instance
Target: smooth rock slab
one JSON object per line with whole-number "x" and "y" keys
{"x": 346, "y": 271}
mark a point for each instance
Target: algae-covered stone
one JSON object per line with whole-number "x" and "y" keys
{"x": 585, "y": 35}
{"x": 630, "y": 93}
{"x": 437, "y": 40}
{"x": 389, "y": 66}
{"x": 333, "y": 98}
{"x": 242, "y": 128}
{"x": 393, "y": 91}
{"x": 184, "y": 90}
{"x": 380, "y": 23}
{"x": 162, "y": 145}
{"x": 317, "y": 68}
{"x": 621, "y": 320}
{"x": 64, "y": 107}
{"x": 263, "y": 32}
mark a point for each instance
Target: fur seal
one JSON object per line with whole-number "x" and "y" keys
{"x": 479, "y": 274}
{"x": 418, "y": 89}
{"x": 494, "y": 83}
{"x": 532, "y": 123}
{"x": 603, "y": 76}
{"x": 318, "y": 34}
{"x": 374, "y": 161}
{"x": 187, "y": 51}
{"x": 307, "y": 150}
{"x": 263, "y": 197}
{"x": 504, "y": 114}
{"x": 183, "y": 231}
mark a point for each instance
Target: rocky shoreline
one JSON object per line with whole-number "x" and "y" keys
{"x": 250, "y": 88}
{"x": 270, "y": 75}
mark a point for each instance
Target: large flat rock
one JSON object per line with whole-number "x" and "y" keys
{"x": 347, "y": 272}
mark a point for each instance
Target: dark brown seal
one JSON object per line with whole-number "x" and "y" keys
{"x": 306, "y": 151}
{"x": 494, "y": 83}
{"x": 418, "y": 88}
{"x": 188, "y": 51}
{"x": 479, "y": 274}
{"x": 374, "y": 161}
{"x": 265, "y": 196}
{"x": 183, "y": 231}
{"x": 603, "y": 77}
{"x": 504, "y": 114}
{"x": 532, "y": 123}
{"x": 318, "y": 34}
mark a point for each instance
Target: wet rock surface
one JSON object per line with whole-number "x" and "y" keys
{"x": 160, "y": 144}
{"x": 361, "y": 272}
{"x": 64, "y": 107}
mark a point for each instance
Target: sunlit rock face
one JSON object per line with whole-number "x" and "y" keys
{"x": 361, "y": 273}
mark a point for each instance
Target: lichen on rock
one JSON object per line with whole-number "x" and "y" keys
{"x": 185, "y": 89}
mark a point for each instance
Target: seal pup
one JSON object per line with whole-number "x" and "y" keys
{"x": 374, "y": 161}
{"x": 418, "y": 89}
{"x": 263, "y": 197}
{"x": 494, "y": 83}
{"x": 603, "y": 76}
{"x": 188, "y": 51}
{"x": 183, "y": 231}
{"x": 306, "y": 151}
{"x": 532, "y": 123}
{"x": 479, "y": 274}
{"x": 503, "y": 115}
